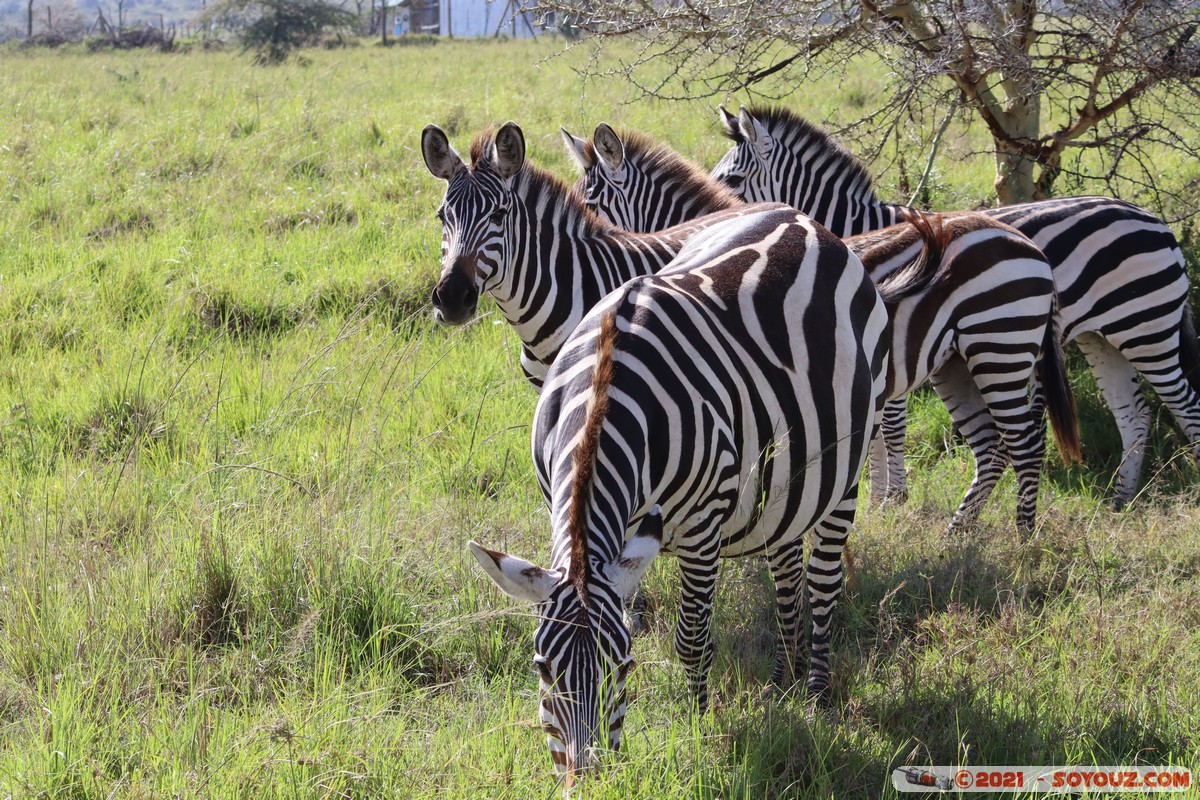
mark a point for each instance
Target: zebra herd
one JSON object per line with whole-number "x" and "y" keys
{"x": 714, "y": 372}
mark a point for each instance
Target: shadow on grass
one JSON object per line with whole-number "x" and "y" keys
{"x": 785, "y": 749}
{"x": 932, "y": 666}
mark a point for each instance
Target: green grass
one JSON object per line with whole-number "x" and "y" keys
{"x": 239, "y": 465}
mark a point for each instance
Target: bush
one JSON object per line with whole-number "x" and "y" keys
{"x": 274, "y": 28}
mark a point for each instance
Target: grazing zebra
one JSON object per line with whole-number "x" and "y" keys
{"x": 1118, "y": 270}
{"x": 720, "y": 408}
{"x": 977, "y": 330}
{"x": 516, "y": 232}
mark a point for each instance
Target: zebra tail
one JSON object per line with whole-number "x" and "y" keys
{"x": 1189, "y": 348}
{"x": 925, "y": 268}
{"x": 1056, "y": 388}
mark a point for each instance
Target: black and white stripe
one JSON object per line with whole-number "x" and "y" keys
{"x": 981, "y": 325}
{"x": 720, "y": 408}
{"x": 513, "y": 230}
{"x": 1118, "y": 270}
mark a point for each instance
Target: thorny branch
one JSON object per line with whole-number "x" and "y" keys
{"x": 1077, "y": 95}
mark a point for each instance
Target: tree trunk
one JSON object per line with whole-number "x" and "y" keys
{"x": 29, "y": 26}
{"x": 1015, "y": 163}
{"x": 1014, "y": 175}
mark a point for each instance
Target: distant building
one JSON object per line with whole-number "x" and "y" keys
{"x": 465, "y": 18}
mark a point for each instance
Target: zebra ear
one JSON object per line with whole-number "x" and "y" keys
{"x": 730, "y": 123}
{"x": 577, "y": 149}
{"x": 440, "y": 157}
{"x": 609, "y": 147}
{"x": 516, "y": 577}
{"x": 754, "y": 132}
{"x": 509, "y": 147}
{"x": 626, "y": 572}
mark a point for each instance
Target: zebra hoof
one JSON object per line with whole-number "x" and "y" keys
{"x": 961, "y": 527}
{"x": 820, "y": 690}
{"x": 636, "y": 615}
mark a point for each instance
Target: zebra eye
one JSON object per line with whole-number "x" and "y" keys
{"x": 734, "y": 181}
{"x": 543, "y": 670}
{"x": 441, "y": 215}
{"x": 497, "y": 216}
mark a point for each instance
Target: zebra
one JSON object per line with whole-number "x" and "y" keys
{"x": 978, "y": 330}
{"x": 516, "y": 232}
{"x": 720, "y": 408}
{"x": 1118, "y": 269}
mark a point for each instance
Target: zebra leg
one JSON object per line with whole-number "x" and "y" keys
{"x": 1162, "y": 369}
{"x": 693, "y": 630}
{"x": 895, "y": 426}
{"x": 879, "y": 470}
{"x": 787, "y": 570}
{"x": 1118, "y": 382}
{"x": 1005, "y": 387}
{"x": 824, "y": 580}
{"x": 954, "y": 384}
{"x": 1025, "y": 442}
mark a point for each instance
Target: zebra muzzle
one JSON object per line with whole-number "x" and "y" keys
{"x": 455, "y": 296}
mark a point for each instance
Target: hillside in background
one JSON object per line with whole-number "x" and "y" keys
{"x": 71, "y": 14}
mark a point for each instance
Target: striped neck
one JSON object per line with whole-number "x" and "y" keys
{"x": 560, "y": 261}
{"x": 789, "y": 160}
{"x": 654, "y": 188}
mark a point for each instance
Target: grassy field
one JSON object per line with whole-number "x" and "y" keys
{"x": 239, "y": 463}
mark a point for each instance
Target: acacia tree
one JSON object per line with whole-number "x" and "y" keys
{"x": 273, "y": 28}
{"x": 1050, "y": 80}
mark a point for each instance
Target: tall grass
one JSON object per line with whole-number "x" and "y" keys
{"x": 238, "y": 464}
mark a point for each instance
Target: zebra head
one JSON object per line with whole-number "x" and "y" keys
{"x": 582, "y": 648}
{"x": 746, "y": 168}
{"x": 609, "y": 180}
{"x": 474, "y": 214}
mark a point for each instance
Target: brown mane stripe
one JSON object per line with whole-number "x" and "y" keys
{"x": 585, "y": 455}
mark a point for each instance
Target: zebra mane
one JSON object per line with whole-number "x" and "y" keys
{"x": 537, "y": 180}
{"x": 585, "y": 457}
{"x": 800, "y": 136}
{"x": 481, "y": 147}
{"x": 663, "y": 161}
